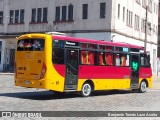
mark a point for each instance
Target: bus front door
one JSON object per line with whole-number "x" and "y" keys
{"x": 134, "y": 70}
{"x": 71, "y": 78}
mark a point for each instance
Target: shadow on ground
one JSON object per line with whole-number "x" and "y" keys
{"x": 48, "y": 95}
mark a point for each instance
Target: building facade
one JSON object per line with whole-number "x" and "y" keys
{"x": 158, "y": 54}
{"x": 129, "y": 21}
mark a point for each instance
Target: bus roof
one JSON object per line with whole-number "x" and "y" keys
{"x": 83, "y": 40}
{"x": 100, "y": 42}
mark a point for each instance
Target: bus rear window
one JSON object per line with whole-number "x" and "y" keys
{"x": 30, "y": 45}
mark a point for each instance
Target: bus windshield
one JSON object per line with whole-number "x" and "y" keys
{"x": 33, "y": 44}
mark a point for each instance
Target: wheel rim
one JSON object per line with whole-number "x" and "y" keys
{"x": 86, "y": 90}
{"x": 143, "y": 86}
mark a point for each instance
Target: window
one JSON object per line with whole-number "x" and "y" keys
{"x": 123, "y": 14}
{"x": 136, "y": 24}
{"x": 22, "y": 16}
{"x": 39, "y": 14}
{"x": 156, "y": 9}
{"x": 142, "y": 25}
{"x": 45, "y": 14}
{"x": 129, "y": 18}
{"x": 16, "y": 16}
{"x": 105, "y": 58}
{"x": 58, "y": 52}
{"x": 150, "y": 5}
{"x": 30, "y": 45}
{"x": 33, "y": 19}
{"x": 58, "y": 43}
{"x": 11, "y": 16}
{"x": 144, "y": 61}
{"x": 88, "y": 57}
{"x": 134, "y": 50}
{"x": 109, "y": 58}
{"x": 122, "y": 49}
{"x": 134, "y": 63}
{"x": 85, "y": 11}
{"x": 84, "y": 45}
{"x": 122, "y": 59}
{"x": 118, "y": 11}
{"x": 144, "y": 3}
{"x": 92, "y": 46}
{"x": 64, "y": 15}
{"x": 149, "y": 28}
{"x": 70, "y": 12}
{"x": 1, "y": 17}
{"x": 64, "y": 12}
{"x": 58, "y": 56}
{"x": 102, "y": 10}
{"x": 57, "y": 17}
{"x": 101, "y": 57}
{"x": 101, "y": 47}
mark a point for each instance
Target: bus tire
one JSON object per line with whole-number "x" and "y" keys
{"x": 143, "y": 87}
{"x": 86, "y": 90}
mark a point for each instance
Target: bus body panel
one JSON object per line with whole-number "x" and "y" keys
{"x": 31, "y": 76}
{"x": 29, "y": 65}
{"x": 106, "y": 84}
{"x": 113, "y": 78}
{"x": 146, "y": 74}
{"x": 54, "y": 82}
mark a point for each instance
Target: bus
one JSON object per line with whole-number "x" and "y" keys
{"x": 60, "y": 63}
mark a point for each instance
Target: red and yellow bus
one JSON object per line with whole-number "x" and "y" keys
{"x": 66, "y": 64}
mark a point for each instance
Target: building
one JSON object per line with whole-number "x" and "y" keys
{"x": 129, "y": 21}
{"x": 158, "y": 54}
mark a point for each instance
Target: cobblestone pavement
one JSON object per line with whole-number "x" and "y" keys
{"x": 13, "y": 98}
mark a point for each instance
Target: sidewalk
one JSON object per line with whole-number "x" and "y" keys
{"x": 2, "y": 73}
{"x": 156, "y": 82}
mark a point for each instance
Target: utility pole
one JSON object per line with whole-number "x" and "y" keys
{"x": 146, "y": 26}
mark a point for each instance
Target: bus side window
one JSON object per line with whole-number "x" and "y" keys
{"x": 101, "y": 57}
{"x": 87, "y": 57}
{"x": 83, "y": 57}
{"x": 91, "y": 59}
{"x": 144, "y": 61}
{"x": 109, "y": 59}
{"x": 58, "y": 56}
{"x": 122, "y": 59}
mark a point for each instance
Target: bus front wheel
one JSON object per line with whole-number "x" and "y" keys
{"x": 86, "y": 90}
{"x": 143, "y": 87}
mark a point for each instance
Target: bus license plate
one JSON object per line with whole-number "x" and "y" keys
{"x": 27, "y": 82}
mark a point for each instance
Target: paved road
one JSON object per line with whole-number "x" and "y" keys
{"x": 14, "y": 98}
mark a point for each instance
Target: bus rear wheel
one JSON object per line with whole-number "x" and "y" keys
{"x": 143, "y": 87}
{"x": 86, "y": 90}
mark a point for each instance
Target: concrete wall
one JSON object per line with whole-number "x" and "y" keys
{"x": 92, "y": 23}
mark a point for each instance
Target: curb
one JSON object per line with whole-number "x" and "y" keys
{"x": 6, "y": 73}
